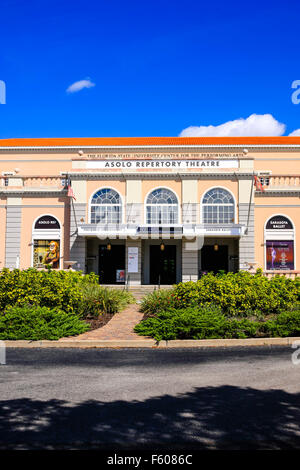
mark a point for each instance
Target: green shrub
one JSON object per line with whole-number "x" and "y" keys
{"x": 38, "y": 323}
{"x": 196, "y": 323}
{"x": 62, "y": 289}
{"x": 157, "y": 301}
{"x": 283, "y": 325}
{"x": 98, "y": 299}
{"x": 238, "y": 294}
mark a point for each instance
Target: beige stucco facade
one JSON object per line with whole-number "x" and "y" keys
{"x": 155, "y": 210}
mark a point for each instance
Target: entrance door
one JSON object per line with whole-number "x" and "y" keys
{"x": 112, "y": 264}
{"x": 162, "y": 264}
{"x": 212, "y": 260}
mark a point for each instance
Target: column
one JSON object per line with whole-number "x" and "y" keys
{"x": 134, "y": 205}
{"x": 190, "y": 204}
{"x": 189, "y": 262}
{"x": 190, "y": 210}
{"x": 246, "y": 216}
{"x": 78, "y": 212}
{"x": 13, "y": 232}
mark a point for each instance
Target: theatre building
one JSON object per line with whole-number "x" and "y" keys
{"x": 151, "y": 210}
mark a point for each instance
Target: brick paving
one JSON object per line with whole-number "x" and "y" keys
{"x": 119, "y": 327}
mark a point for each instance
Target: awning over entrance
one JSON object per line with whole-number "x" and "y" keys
{"x": 177, "y": 230}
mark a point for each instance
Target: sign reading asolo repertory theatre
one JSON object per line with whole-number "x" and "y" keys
{"x": 161, "y": 164}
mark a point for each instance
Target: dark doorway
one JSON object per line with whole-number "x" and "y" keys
{"x": 112, "y": 264}
{"x": 214, "y": 260}
{"x": 162, "y": 264}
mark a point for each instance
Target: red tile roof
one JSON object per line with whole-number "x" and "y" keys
{"x": 147, "y": 141}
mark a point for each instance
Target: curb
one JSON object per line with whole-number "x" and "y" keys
{"x": 151, "y": 343}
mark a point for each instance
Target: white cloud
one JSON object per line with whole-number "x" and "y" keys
{"x": 295, "y": 133}
{"x": 77, "y": 86}
{"x": 254, "y": 125}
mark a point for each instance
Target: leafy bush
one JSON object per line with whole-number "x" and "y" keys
{"x": 62, "y": 289}
{"x": 38, "y": 323}
{"x": 209, "y": 322}
{"x": 196, "y": 323}
{"x": 98, "y": 299}
{"x": 283, "y": 325}
{"x": 238, "y": 294}
{"x": 158, "y": 301}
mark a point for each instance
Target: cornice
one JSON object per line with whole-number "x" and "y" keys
{"x": 160, "y": 175}
{"x": 151, "y": 148}
{"x": 278, "y": 192}
{"x": 33, "y": 192}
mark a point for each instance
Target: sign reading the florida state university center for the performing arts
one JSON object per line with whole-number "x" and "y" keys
{"x": 160, "y": 164}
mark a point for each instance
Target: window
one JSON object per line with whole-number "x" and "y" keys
{"x": 218, "y": 207}
{"x": 162, "y": 207}
{"x": 106, "y": 207}
{"x": 264, "y": 180}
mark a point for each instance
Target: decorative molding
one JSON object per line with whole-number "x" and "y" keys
{"x": 160, "y": 175}
{"x": 33, "y": 192}
{"x": 154, "y": 147}
{"x": 36, "y": 160}
{"x": 60, "y": 206}
{"x": 278, "y": 192}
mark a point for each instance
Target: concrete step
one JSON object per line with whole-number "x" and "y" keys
{"x": 138, "y": 291}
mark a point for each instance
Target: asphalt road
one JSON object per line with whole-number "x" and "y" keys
{"x": 239, "y": 398}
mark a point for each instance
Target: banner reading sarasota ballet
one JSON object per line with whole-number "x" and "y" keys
{"x": 280, "y": 255}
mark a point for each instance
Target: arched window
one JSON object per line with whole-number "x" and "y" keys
{"x": 162, "y": 207}
{"x": 106, "y": 207}
{"x": 218, "y": 207}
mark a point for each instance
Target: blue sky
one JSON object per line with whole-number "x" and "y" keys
{"x": 158, "y": 67}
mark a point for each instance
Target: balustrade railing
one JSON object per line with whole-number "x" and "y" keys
{"x": 280, "y": 181}
{"x": 42, "y": 182}
{"x": 288, "y": 274}
{"x": 267, "y": 181}
{"x": 32, "y": 182}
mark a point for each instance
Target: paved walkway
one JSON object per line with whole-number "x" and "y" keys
{"x": 119, "y": 327}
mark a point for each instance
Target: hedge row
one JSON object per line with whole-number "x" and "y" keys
{"x": 238, "y": 294}
{"x": 38, "y": 323}
{"x": 60, "y": 289}
{"x": 210, "y": 322}
{"x": 50, "y": 304}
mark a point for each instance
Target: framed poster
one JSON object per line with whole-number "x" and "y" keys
{"x": 280, "y": 255}
{"x": 133, "y": 257}
{"x": 120, "y": 275}
{"x": 46, "y": 253}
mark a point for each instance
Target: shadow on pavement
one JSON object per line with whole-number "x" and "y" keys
{"x": 224, "y": 417}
